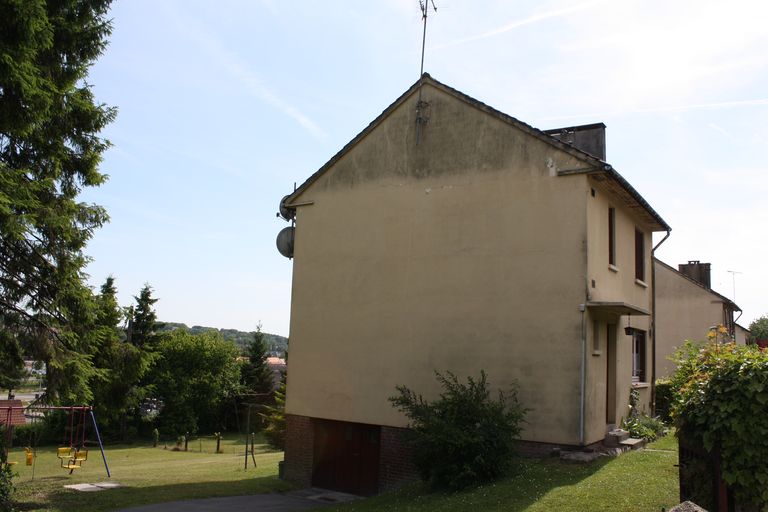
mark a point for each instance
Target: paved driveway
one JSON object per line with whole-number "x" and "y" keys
{"x": 304, "y": 499}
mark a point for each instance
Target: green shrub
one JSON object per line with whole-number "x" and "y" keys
{"x": 638, "y": 424}
{"x": 664, "y": 392}
{"x": 6, "y": 488}
{"x": 464, "y": 438}
{"x": 642, "y": 426}
{"x": 720, "y": 402}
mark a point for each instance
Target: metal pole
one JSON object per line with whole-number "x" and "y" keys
{"x": 101, "y": 446}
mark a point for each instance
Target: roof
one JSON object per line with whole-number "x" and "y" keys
{"x": 598, "y": 169}
{"x": 12, "y": 410}
{"x": 710, "y": 290}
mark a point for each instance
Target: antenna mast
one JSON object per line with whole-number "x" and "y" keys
{"x": 420, "y": 104}
{"x": 424, "y": 4}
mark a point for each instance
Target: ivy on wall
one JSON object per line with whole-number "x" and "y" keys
{"x": 721, "y": 402}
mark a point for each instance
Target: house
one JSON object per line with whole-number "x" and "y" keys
{"x": 741, "y": 335}
{"x": 450, "y": 236}
{"x": 687, "y": 308}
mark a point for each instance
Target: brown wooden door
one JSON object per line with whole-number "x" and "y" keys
{"x": 346, "y": 457}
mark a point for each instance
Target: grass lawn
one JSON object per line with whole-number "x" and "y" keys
{"x": 151, "y": 475}
{"x": 644, "y": 480}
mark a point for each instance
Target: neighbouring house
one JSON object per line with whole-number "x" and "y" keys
{"x": 277, "y": 365}
{"x": 450, "y": 236}
{"x": 687, "y": 308}
{"x": 741, "y": 335}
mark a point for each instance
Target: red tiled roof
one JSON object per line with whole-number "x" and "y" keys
{"x": 11, "y": 410}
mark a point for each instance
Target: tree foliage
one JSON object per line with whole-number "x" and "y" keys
{"x": 758, "y": 331}
{"x": 116, "y": 388}
{"x": 142, "y": 321}
{"x": 720, "y": 403}
{"x": 255, "y": 374}
{"x": 194, "y": 376}
{"x": 465, "y": 437}
{"x": 49, "y": 151}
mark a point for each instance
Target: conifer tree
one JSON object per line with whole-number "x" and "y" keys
{"x": 49, "y": 151}
{"x": 142, "y": 325}
{"x": 256, "y": 376}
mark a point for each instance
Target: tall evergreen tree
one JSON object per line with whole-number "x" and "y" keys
{"x": 49, "y": 151}
{"x": 142, "y": 325}
{"x": 255, "y": 375}
{"x": 116, "y": 387}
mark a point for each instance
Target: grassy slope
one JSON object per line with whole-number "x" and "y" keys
{"x": 151, "y": 475}
{"x": 637, "y": 481}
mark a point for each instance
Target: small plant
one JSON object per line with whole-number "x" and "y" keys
{"x": 6, "y": 488}
{"x": 640, "y": 425}
{"x": 645, "y": 427}
{"x": 463, "y": 438}
{"x": 155, "y": 438}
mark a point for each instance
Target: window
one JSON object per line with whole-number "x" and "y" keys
{"x": 638, "y": 356}
{"x": 639, "y": 255}
{"x": 612, "y": 236}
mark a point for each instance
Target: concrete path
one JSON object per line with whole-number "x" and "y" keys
{"x": 304, "y": 499}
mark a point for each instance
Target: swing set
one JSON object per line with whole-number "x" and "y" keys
{"x": 74, "y": 451}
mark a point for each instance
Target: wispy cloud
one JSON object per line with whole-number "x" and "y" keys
{"x": 520, "y": 23}
{"x": 667, "y": 109}
{"x": 237, "y": 67}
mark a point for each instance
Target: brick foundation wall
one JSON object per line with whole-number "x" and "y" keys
{"x": 395, "y": 463}
{"x": 538, "y": 450}
{"x": 299, "y": 449}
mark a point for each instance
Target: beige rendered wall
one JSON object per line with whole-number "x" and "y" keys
{"x": 614, "y": 283}
{"x": 741, "y": 335}
{"x": 464, "y": 252}
{"x": 684, "y": 311}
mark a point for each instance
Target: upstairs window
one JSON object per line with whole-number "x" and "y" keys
{"x": 612, "y": 236}
{"x": 639, "y": 255}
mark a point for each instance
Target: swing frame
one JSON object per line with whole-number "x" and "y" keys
{"x": 76, "y": 458}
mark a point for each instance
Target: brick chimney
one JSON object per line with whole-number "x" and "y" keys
{"x": 590, "y": 138}
{"x": 697, "y": 271}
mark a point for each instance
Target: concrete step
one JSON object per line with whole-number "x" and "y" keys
{"x": 633, "y": 443}
{"x": 615, "y": 437}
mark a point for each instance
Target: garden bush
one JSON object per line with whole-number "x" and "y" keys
{"x": 465, "y": 437}
{"x": 640, "y": 425}
{"x": 720, "y": 403}
{"x": 663, "y": 399}
{"x": 6, "y": 488}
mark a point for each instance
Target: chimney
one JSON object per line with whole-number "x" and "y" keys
{"x": 589, "y": 138}
{"x": 697, "y": 271}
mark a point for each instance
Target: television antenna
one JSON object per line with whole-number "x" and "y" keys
{"x": 733, "y": 276}
{"x": 424, "y": 4}
{"x": 421, "y": 105}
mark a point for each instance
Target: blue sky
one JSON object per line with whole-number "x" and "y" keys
{"x": 224, "y": 105}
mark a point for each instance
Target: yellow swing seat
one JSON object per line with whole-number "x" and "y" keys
{"x": 64, "y": 453}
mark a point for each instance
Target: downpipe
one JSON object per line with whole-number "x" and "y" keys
{"x": 583, "y": 376}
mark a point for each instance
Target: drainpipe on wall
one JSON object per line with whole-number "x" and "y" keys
{"x": 582, "y": 387}
{"x": 653, "y": 320}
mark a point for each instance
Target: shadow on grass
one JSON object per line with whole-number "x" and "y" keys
{"x": 61, "y": 499}
{"x": 524, "y": 485}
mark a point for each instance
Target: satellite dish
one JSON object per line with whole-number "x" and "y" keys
{"x": 286, "y": 212}
{"x": 285, "y": 241}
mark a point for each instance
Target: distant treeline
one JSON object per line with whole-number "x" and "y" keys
{"x": 276, "y": 344}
